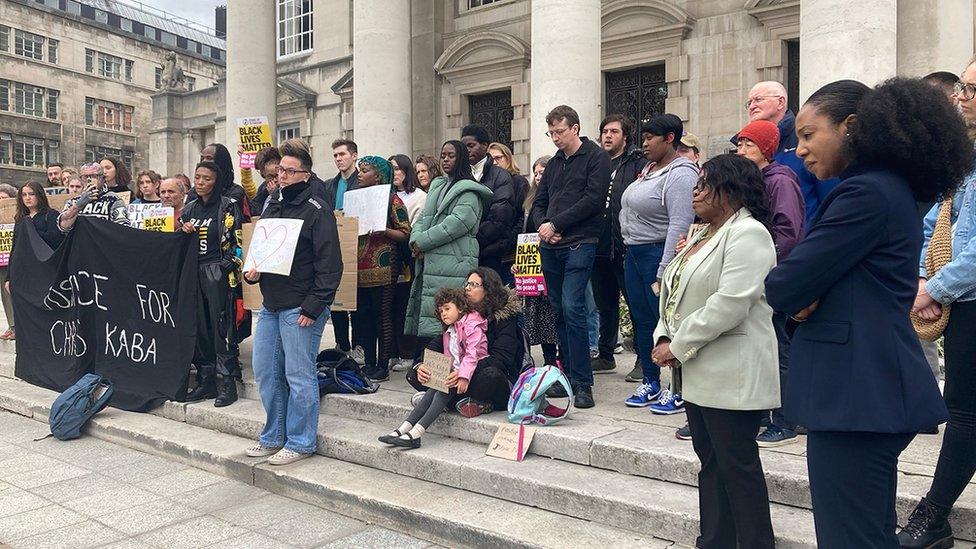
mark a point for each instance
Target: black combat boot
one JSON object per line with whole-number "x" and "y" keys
{"x": 927, "y": 528}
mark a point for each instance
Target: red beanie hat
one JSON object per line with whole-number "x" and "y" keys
{"x": 764, "y": 134}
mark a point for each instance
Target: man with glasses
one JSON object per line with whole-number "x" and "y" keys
{"x": 767, "y": 101}
{"x": 569, "y": 208}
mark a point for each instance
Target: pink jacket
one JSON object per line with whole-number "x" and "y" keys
{"x": 472, "y": 341}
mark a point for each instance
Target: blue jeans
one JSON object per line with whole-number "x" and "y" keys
{"x": 567, "y": 272}
{"x": 640, "y": 273}
{"x": 592, "y": 319}
{"x": 284, "y": 368}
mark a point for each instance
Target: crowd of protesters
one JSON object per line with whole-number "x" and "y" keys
{"x": 782, "y": 283}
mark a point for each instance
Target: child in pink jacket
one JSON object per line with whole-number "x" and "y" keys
{"x": 466, "y": 343}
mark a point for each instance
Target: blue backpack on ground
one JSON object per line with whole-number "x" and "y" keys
{"x": 528, "y": 402}
{"x": 74, "y": 407}
{"x": 337, "y": 373}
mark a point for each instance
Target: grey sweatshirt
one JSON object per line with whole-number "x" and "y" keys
{"x": 657, "y": 207}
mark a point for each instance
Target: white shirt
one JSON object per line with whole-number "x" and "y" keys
{"x": 479, "y": 169}
{"x": 414, "y": 203}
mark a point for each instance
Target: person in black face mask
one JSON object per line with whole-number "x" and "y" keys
{"x": 216, "y": 220}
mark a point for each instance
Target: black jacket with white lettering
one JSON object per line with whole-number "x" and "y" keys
{"x": 218, "y": 225}
{"x": 107, "y": 206}
{"x": 317, "y": 267}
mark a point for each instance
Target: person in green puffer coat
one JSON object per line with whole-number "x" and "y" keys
{"x": 444, "y": 239}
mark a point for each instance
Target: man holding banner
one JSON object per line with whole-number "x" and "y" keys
{"x": 216, "y": 219}
{"x": 291, "y": 321}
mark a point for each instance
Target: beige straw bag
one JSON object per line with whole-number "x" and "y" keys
{"x": 938, "y": 254}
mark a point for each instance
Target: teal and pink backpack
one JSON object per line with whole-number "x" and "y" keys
{"x": 528, "y": 404}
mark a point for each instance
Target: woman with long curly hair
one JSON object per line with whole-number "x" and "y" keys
{"x": 858, "y": 379}
{"x": 716, "y": 333}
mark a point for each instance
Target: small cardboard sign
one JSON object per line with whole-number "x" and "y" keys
{"x": 511, "y": 442}
{"x": 439, "y": 366}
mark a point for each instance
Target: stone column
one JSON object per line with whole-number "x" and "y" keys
{"x": 842, "y": 39}
{"x": 382, "y": 115}
{"x": 565, "y": 66}
{"x": 934, "y": 36}
{"x": 251, "y": 88}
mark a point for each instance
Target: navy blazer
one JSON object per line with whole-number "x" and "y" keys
{"x": 856, "y": 364}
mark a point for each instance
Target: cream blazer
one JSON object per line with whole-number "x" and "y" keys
{"x": 721, "y": 330}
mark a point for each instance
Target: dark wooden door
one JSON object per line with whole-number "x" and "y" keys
{"x": 493, "y": 111}
{"x": 638, "y": 93}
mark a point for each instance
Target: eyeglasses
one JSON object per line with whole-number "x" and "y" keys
{"x": 559, "y": 132}
{"x": 470, "y": 284}
{"x": 289, "y": 171}
{"x": 759, "y": 98}
{"x": 964, "y": 91}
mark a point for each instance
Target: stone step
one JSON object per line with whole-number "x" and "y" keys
{"x": 422, "y": 508}
{"x": 652, "y": 451}
{"x": 665, "y": 509}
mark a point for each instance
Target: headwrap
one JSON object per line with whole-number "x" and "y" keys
{"x": 382, "y": 166}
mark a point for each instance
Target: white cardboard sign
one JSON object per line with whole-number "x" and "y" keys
{"x": 369, "y": 205}
{"x": 273, "y": 245}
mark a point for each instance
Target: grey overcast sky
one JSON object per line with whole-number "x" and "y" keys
{"x": 200, "y": 11}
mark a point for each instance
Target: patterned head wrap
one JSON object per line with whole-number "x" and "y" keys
{"x": 382, "y": 166}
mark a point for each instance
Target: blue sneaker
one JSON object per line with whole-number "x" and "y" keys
{"x": 646, "y": 394}
{"x": 774, "y": 436}
{"x": 669, "y": 403}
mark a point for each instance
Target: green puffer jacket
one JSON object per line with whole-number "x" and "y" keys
{"x": 447, "y": 237}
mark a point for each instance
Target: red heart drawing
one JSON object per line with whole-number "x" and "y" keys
{"x": 280, "y": 232}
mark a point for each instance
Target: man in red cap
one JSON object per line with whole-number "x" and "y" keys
{"x": 759, "y": 141}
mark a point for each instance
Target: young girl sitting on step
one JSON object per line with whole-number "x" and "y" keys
{"x": 465, "y": 343}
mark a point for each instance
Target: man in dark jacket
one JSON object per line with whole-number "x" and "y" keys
{"x": 498, "y": 218}
{"x": 345, "y": 154}
{"x": 291, "y": 321}
{"x": 627, "y": 161}
{"x": 569, "y": 201}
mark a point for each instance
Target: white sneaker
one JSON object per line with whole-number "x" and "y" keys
{"x": 358, "y": 354}
{"x": 415, "y": 399}
{"x": 260, "y": 451}
{"x": 286, "y": 456}
{"x": 402, "y": 364}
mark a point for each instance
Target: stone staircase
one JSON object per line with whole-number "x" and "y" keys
{"x": 605, "y": 476}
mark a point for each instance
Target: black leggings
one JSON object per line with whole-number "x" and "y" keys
{"x": 487, "y": 385}
{"x": 430, "y": 408}
{"x": 957, "y": 460}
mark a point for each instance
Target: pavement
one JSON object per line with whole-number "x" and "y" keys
{"x": 92, "y": 493}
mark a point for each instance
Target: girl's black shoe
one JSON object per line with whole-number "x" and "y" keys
{"x": 408, "y": 442}
{"x": 388, "y": 439}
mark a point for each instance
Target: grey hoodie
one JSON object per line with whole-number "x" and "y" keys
{"x": 656, "y": 208}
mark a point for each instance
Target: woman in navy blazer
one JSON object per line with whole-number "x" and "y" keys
{"x": 858, "y": 379}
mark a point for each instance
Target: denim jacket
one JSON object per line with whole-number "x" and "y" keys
{"x": 957, "y": 280}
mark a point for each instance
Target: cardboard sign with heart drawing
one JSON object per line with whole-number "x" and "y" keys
{"x": 273, "y": 245}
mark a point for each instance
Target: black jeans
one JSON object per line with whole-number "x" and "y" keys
{"x": 784, "y": 329}
{"x": 372, "y": 322}
{"x": 957, "y": 460}
{"x": 732, "y": 494}
{"x": 608, "y": 284}
{"x": 853, "y": 484}
{"x": 405, "y": 343}
{"x": 340, "y": 326}
{"x": 215, "y": 350}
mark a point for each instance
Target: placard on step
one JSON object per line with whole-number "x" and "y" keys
{"x": 511, "y": 442}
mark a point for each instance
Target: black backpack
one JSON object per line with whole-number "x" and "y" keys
{"x": 337, "y": 373}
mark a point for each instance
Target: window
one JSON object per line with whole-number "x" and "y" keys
{"x": 4, "y": 95}
{"x": 107, "y": 65}
{"x": 167, "y": 38}
{"x": 294, "y": 26}
{"x": 4, "y": 38}
{"x": 52, "y": 50}
{"x": 126, "y": 24}
{"x": 108, "y": 115}
{"x": 149, "y": 32}
{"x": 28, "y": 151}
{"x": 101, "y": 16}
{"x": 191, "y": 83}
{"x": 288, "y": 131}
{"x": 159, "y": 77}
{"x": 52, "y": 104}
{"x": 28, "y": 99}
{"x": 53, "y": 151}
{"x": 29, "y": 45}
{"x": 471, "y": 4}
{"x": 5, "y": 142}
{"x": 52, "y": 4}
{"x": 793, "y": 75}
{"x": 94, "y": 153}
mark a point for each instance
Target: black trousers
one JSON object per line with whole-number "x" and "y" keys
{"x": 957, "y": 459}
{"x": 487, "y": 385}
{"x": 784, "y": 328}
{"x": 732, "y": 495}
{"x": 607, "y": 279}
{"x": 215, "y": 351}
{"x": 853, "y": 483}
{"x": 405, "y": 343}
{"x": 340, "y": 326}
{"x": 372, "y": 324}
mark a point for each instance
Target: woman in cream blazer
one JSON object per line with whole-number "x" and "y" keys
{"x": 716, "y": 332}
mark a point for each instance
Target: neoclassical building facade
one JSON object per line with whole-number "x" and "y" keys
{"x": 405, "y": 75}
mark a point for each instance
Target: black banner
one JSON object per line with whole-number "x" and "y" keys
{"x": 112, "y": 300}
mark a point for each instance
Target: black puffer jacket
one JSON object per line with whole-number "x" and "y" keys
{"x": 625, "y": 169}
{"x": 496, "y": 219}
